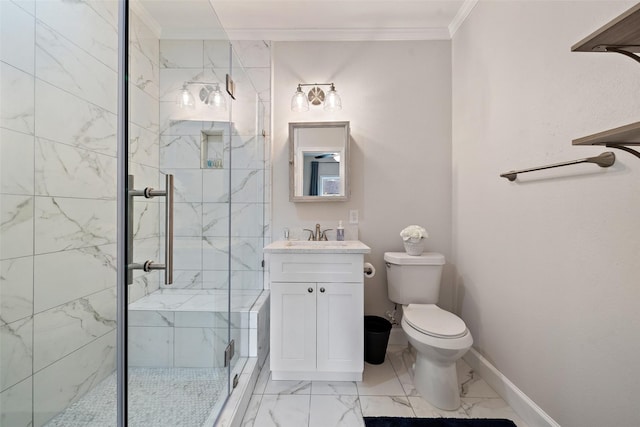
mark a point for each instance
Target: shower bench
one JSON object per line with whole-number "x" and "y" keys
{"x": 189, "y": 328}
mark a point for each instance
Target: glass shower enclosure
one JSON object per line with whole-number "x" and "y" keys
{"x": 90, "y": 319}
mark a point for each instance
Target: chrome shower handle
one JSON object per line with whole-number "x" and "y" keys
{"x": 149, "y": 193}
{"x": 168, "y": 230}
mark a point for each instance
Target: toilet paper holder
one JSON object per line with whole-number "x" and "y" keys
{"x": 369, "y": 270}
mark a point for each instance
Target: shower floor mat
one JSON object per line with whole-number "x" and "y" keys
{"x": 158, "y": 397}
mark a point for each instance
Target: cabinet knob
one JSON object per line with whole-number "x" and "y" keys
{"x": 322, "y": 290}
{"x": 310, "y": 290}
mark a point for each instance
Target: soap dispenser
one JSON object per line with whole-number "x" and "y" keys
{"x": 340, "y": 232}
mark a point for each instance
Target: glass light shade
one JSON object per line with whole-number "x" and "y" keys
{"x": 299, "y": 102}
{"x": 332, "y": 101}
{"x": 186, "y": 99}
{"x": 216, "y": 99}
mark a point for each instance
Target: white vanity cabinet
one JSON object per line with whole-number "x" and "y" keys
{"x": 317, "y": 315}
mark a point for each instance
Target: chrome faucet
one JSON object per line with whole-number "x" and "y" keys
{"x": 318, "y": 235}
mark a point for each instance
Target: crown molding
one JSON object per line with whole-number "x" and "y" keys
{"x": 197, "y": 34}
{"x": 340, "y": 34}
{"x": 461, "y": 16}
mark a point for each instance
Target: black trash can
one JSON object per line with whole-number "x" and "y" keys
{"x": 376, "y": 338}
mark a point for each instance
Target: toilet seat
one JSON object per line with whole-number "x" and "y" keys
{"x": 431, "y": 320}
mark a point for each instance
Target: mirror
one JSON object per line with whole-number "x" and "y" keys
{"x": 318, "y": 159}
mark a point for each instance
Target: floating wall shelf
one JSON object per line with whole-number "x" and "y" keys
{"x": 615, "y": 138}
{"x": 621, "y": 35}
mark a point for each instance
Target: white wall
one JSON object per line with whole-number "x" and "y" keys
{"x": 549, "y": 265}
{"x": 397, "y": 97}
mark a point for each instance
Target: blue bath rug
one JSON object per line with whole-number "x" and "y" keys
{"x": 436, "y": 422}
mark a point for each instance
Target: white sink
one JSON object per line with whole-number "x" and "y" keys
{"x": 310, "y": 246}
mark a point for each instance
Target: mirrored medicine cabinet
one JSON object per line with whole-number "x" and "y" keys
{"x": 318, "y": 161}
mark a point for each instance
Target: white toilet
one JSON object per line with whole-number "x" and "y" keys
{"x": 439, "y": 337}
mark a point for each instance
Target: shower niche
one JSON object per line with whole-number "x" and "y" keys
{"x": 212, "y": 149}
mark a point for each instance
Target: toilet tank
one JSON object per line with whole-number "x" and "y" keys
{"x": 414, "y": 279}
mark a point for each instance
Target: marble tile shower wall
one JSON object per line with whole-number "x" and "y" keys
{"x": 202, "y": 193}
{"x": 255, "y": 56}
{"x": 58, "y": 77}
{"x": 144, "y": 152}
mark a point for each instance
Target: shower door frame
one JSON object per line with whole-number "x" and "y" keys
{"x": 122, "y": 233}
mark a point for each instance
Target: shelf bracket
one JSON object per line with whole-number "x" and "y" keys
{"x": 622, "y": 51}
{"x": 624, "y": 148}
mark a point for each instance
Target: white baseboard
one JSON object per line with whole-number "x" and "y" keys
{"x": 526, "y": 408}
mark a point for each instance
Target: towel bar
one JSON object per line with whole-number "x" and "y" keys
{"x": 603, "y": 160}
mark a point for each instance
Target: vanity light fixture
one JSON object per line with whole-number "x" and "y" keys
{"x": 185, "y": 98}
{"x": 316, "y": 96}
{"x": 210, "y": 94}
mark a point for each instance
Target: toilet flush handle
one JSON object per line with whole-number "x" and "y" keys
{"x": 388, "y": 264}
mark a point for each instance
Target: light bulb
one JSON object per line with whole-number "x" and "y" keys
{"x": 185, "y": 98}
{"x": 216, "y": 99}
{"x": 332, "y": 101}
{"x": 299, "y": 102}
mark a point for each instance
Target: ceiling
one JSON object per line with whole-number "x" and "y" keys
{"x": 310, "y": 19}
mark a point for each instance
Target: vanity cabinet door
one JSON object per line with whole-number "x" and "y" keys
{"x": 293, "y": 326}
{"x": 340, "y": 327}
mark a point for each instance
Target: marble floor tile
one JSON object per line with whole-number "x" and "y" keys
{"x": 402, "y": 361}
{"x": 380, "y": 380}
{"x": 283, "y": 411}
{"x": 287, "y": 387}
{"x": 348, "y": 388}
{"x": 386, "y": 406}
{"x": 335, "y": 411}
{"x": 471, "y": 385}
{"x": 490, "y": 408}
{"x": 386, "y": 390}
{"x": 422, "y": 408}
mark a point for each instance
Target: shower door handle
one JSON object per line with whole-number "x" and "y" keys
{"x": 168, "y": 230}
{"x": 149, "y": 193}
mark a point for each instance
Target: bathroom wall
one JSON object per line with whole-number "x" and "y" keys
{"x": 548, "y": 265}
{"x": 397, "y": 98}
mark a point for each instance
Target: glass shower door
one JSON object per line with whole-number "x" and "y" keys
{"x": 179, "y": 115}
{"x": 58, "y": 150}
{"x": 246, "y": 198}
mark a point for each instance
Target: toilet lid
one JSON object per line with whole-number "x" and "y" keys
{"x": 432, "y": 320}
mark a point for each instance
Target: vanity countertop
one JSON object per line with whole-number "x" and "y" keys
{"x": 317, "y": 247}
